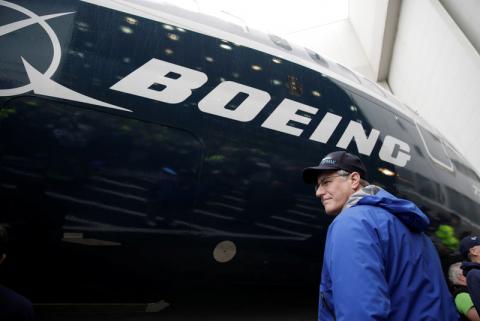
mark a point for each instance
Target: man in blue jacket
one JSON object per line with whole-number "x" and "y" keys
{"x": 378, "y": 263}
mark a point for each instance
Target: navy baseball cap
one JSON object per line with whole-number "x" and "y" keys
{"x": 467, "y": 243}
{"x": 335, "y": 161}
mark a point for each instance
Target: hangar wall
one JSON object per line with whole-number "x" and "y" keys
{"x": 436, "y": 70}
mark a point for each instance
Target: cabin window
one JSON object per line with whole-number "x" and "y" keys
{"x": 282, "y": 43}
{"x": 462, "y": 204}
{"x": 426, "y": 187}
{"x": 317, "y": 58}
{"x": 435, "y": 148}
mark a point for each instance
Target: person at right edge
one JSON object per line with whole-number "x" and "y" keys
{"x": 378, "y": 263}
{"x": 463, "y": 300}
{"x": 470, "y": 249}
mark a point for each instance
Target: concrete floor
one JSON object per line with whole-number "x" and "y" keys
{"x": 104, "y": 317}
{"x": 232, "y": 316}
{"x": 99, "y": 313}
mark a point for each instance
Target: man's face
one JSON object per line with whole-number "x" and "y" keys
{"x": 334, "y": 190}
{"x": 475, "y": 254}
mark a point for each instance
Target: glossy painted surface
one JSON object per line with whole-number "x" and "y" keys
{"x": 167, "y": 202}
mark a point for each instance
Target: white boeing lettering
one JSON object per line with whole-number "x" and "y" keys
{"x": 177, "y": 82}
{"x": 216, "y": 101}
{"x": 325, "y": 129}
{"x": 174, "y": 89}
{"x": 285, "y": 112}
{"x": 388, "y": 149}
{"x": 364, "y": 144}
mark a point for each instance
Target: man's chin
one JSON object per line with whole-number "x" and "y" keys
{"x": 331, "y": 212}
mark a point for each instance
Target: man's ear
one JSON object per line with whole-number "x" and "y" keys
{"x": 2, "y": 257}
{"x": 355, "y": 180}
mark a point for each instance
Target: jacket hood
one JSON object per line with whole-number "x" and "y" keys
{"x": 407, "y": 212}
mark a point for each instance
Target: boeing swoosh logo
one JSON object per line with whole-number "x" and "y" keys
{"x": 41, "y": 83}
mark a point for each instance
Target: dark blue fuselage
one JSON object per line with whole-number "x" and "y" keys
{"x": 156, "y": 200}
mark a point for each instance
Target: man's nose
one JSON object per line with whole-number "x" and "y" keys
{"x": 319, "y": 192}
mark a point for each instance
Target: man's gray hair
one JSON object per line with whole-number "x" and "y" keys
{"x": 455, "y": 272}
{"x": 344, "y": 173}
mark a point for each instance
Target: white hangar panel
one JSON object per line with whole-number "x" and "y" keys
{"x": 436, "y": 70}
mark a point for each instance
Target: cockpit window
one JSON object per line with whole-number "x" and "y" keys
{"x": 460, "y": 164}
{"x": 467, "y": 171}
{"x": 435, "y": 148}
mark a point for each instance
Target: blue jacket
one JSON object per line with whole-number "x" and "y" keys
{"x": 380, "y": 265}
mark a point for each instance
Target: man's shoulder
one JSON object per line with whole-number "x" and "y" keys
{"x": 363, "y": 212}
{"x": 469, "y": 266}
{"x": 360, "y": 217}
